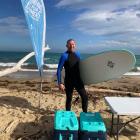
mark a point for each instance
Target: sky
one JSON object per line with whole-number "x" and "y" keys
{"x": 95, "y": 25}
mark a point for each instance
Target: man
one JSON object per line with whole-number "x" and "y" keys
{"x": 70, "y": 60}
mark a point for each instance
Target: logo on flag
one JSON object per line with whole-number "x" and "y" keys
{"x": 34, "y": 9}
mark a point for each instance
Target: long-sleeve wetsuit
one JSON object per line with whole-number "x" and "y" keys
{"x": 70, "y": 61}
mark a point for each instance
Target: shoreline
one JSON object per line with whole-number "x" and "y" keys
{"x": 46, "y": 66}
{"x": 47, "y": 74}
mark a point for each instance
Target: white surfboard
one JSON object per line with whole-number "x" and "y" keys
{"x": 106, "y": 66}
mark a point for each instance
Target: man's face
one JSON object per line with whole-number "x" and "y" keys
{"x": 71, "y": 46}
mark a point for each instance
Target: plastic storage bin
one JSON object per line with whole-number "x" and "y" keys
{"x": 65, "y": 126}
{"x": 92, "y": 126}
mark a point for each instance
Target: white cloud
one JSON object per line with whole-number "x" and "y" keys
{"x": 97, "y": 4}
{"x": 131, "y": 43}
{"x": 105, "y": 17}
{"x": 107, "y": 22}
{"x": 118, "y": 20}
{"x": 14, "y": 25}
{"x": 110, "y": 43}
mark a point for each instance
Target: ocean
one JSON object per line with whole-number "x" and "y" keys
{"x": 9, "y": 59}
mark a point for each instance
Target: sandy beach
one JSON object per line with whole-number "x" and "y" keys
{"x": 21, "y": 118}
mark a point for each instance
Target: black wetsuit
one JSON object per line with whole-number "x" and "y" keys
{"x": 70, "y": 61}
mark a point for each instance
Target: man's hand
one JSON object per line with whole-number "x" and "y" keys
{"x": 62, "y": 87}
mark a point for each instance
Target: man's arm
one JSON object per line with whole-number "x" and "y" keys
{"x": 60, "y": 67}
{"x": 78, "y": 55}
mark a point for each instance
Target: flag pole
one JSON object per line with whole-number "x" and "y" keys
{"x": 41, "y": 85}
{"x": 43, "y": 46}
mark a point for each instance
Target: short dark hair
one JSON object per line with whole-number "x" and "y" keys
{"x": 69, "y": 40}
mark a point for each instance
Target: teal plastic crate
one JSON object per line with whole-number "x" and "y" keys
{"x": 65, "y": 126}
{"x": 66, "y": 120}
{"x": 92, "y": 126}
